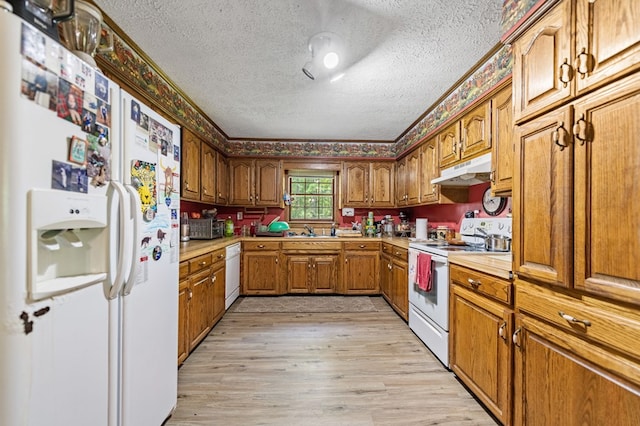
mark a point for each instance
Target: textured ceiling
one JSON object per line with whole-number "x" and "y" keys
{"x": 240, "y": 61}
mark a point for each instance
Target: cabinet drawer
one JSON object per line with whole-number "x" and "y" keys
{"x": 488, "y": 285}
{"x": 219, "y": 255}
{"x": 590, "y": 319}
{"x": 400, "y": 253}
{"x": 362, "y": 245}
{"x": 198, "y": 263}
{"x": 311, "y": 245}
{"x": 261, "y": 245}
{"x": 184, "y": 269}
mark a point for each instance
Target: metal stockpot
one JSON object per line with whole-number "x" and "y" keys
{"x": 495, "y": 242}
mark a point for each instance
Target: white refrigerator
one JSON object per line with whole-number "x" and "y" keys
{"x": 89, "y": 231}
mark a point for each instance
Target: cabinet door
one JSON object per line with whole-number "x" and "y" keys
{"x": 542, "y": 63}
{"x": 208, "y": 174}
{"x": 183, "y": 316}
{"x": 299, "y": 272}
{"x": 412, "y": 178}
{"x": 241, "y": 185}
{"x": 361, "y": 272}
{"x": 260, "y": 273}
{"x": 222, "y": 180}
{"x": 429, "y": 193}
{"x": 218, "y": 280}
{"x": 562, "y": 380}
{"x": 386, "y": 267}
{"x": 480, "y": 349}
{"x": 542, "y": 200}
{"x": 199, "y": 309}
{"x": 355, "y": 184}
{"x": 381, "y": 184}
{"x": 607, "y": 162}
{"x": 401, "y": 182}
{"x": 449, "y": 145}
{"x": 268, "y": 180}
{"x": 475, "y": 127}
{"x": 400, "y": 283}
{"x": 190, "y": 164}
{"x": 607, "y": 41}
{"x": 502, "y": 145}
{"x": 325, "y": 273}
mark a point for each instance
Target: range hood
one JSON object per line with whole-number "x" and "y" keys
{"x": 472, "y": 172}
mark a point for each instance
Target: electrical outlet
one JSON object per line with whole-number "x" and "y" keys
{"x": 347, "y": 211}
{"x": 239, "y": 215}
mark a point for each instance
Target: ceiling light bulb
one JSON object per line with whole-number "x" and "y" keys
{"x": 331, "y": 60}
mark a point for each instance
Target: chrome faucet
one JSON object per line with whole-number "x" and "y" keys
{"x": 310, "y": 230}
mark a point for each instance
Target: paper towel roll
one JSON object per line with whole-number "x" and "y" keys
{"x": 421, "y": 229}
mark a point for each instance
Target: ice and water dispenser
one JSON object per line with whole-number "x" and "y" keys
{"x": 68, "y": 242}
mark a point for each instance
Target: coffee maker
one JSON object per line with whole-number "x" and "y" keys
{"x": 404, "y": 228}
{"x": 42, "y": 14}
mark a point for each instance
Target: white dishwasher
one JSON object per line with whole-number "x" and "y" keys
{"x": 232, "y": 275}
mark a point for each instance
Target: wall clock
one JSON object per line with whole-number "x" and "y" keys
{"x": 493, "y": 206}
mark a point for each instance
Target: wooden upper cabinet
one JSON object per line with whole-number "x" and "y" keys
{"x": 241, "y": 185}
{"x": 607, "y": 41}
{"x": 207, "y": 173}
{"x": 381, "y": 184}
{"x": 355, "y": 184}
{"x": 401, "y": 182}
{"x": 607, "y": 162}
{"x": 449, "y": 145}
{"x": 542, "y": 200}
{"x": 502, "y": 144}
{"x": 268, "y": 182}
{"x": 543, "y": 73}
{"x": 429, "y": 193}
{"x": 367, "y": 184}
{"x": 222, "y": 180}
{"x": 475, "y": 127}
{"x": 190, "y": 185}
{"x": 408, "y": 180}
{"x": 255, "y": 182}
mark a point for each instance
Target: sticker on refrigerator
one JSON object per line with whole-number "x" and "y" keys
{"x": 67, "y": 177}
{"x": 33, "y": 44}
{"x": 143, "y": 178}
{"x": 39, "y": 85}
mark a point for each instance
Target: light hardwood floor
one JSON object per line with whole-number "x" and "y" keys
{"x": 319, "y": 369}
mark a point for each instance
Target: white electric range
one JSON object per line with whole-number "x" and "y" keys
{"x": 429, "y": 310}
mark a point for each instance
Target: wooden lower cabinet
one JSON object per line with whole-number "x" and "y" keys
{"x": 312, "y": 273}
{"x": 361, "y": 268}
{"x": 580, "y": 366}
{"x": 480, "y": 349}
{"x": 261, "y": 268}
{"x": 201, "y": 297}
{"x": 394, "y": 274}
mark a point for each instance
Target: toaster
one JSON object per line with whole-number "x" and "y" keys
{"x": 206, "y": 229}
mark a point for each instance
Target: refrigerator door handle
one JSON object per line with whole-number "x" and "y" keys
{"x": 124, "y": 212}
{"x": 134, "y": 255}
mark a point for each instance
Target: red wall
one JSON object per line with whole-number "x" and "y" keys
{"x": 442, "y": 214}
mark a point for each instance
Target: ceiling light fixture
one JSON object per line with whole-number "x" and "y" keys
{"x": 326, "y": 49}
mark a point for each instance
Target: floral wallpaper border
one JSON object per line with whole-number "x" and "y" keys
{"x": 133, "y": 68}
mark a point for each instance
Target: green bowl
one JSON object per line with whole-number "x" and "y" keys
{"x": 278, "y": 227}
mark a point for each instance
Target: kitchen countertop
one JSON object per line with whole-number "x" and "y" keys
{"x": 194, "y": 248}
{"x": 498, "y": 264}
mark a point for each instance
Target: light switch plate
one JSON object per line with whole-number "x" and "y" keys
{"x": 348, "y": 211}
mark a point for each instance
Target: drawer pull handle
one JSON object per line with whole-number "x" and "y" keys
{"x": 220, "y": 256}
{"x": 474, "y": 282}
{"x": 362, "y": 246}
{"x": 260, "y": 245}
{"x": 573, "y": 320}
{"x": 213, "y": 279}
{"x": 501, "y": 331}
{"x": 204, "y": 262}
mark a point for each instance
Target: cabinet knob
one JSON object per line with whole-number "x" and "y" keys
{"x": 213, "y": 279}
{"x": 474, "y": 283}
{"x": 515, "y": 338}
{"x": 362, "y": 246}
{"x": 220, "y": 256}
{"x": 501, "y": 333}
{"x": 203, "y": 263}
{"x": 559, "y": 136}
{"x": 260, "y": 245}
{"x": 583, "y": 63}
{"x": 580, "y": 129}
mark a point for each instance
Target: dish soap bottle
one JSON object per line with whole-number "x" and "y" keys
{"x": 228, "y": 227}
